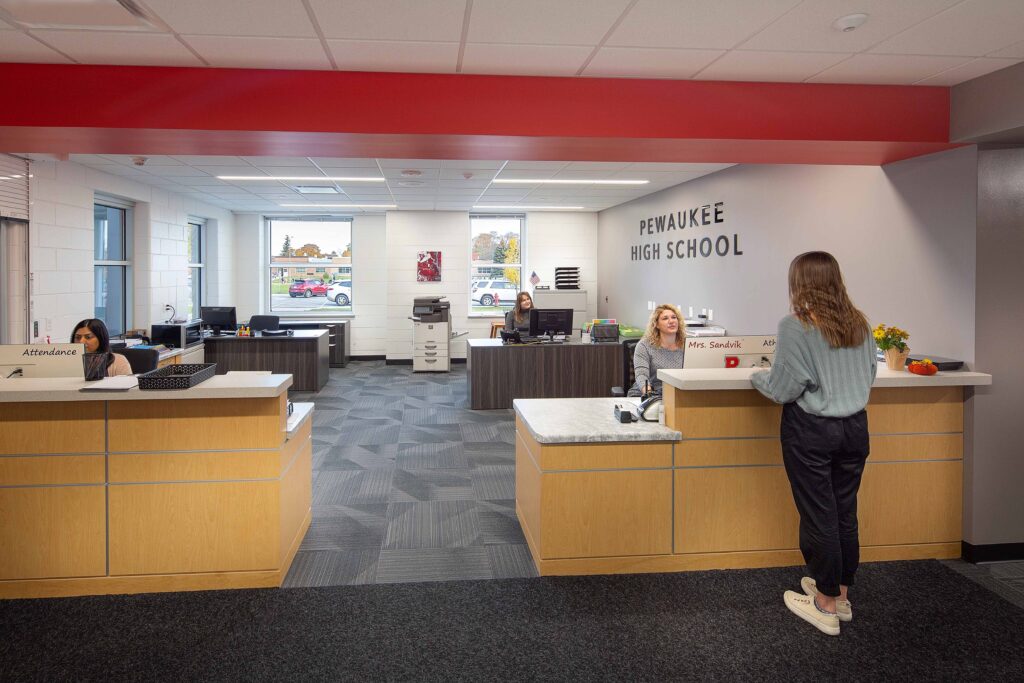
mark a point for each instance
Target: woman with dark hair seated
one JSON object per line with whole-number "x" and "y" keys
{"x": 93, "y": 333}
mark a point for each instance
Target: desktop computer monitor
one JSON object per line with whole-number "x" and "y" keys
{"x": 219, "y": 318}
{"x": 42, "y": 360}
{"x": 550, "y": 321}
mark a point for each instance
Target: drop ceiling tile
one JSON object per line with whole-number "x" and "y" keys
{"x": 425, "y": 174}
{"x": 634, "y": 62}
{"x": 260, "y": 53}
{"x": 654, "y": 167}
{"x": 206, "y": 160}
{"x": 262, "y": 162}
{"x": 243, "y": 169}
{"x": 410, "y": 163}
{"x": 460, "y": 174}
{"x": 1015, "y": 51}
{"x": 342, "y": 162}
{"x": 472, "y": 164}
{"x": 472, "y": 183}
{"x": 567, "y": 22}
{"x": 965, "y": 72}
{"x": 786, "y": 67}
{"x": 109, "y": 47}
{"x": 411, "y": 57}
{"x": 972, "y": 28}
{"x": 437, "y": 20}
{"x": 18, "y": 47}
{"x": 174, "y": 171}
{"x": 695, "y": 23}
{"x": 202, "y": 181}
{"x": 552, "y": 166}
{"x": 808, "y": 27}
{"x": 151, "y": 160}
{"x": 4, "y": 26}
{"x": 886, "y": 69}
{"x": 523, "y": 60}
{"x": 271, "y": 18}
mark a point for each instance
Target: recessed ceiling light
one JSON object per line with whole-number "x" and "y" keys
{"x": 410, "y": 183}
{"x": 850, "y": 22}
{"x": 559, "y": 181}
{"x": 343, "y": 206}
{"x": 302, "y": 178}
{"x": 411, "y": 172}
{"x": 315, "y": 189}
{"x": 530, "y": 208}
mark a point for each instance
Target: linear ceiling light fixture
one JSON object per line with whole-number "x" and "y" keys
{"x": 559, "y": 181}
{"x": 343, "y": 206}
{"x": 530, "y": 208}
{"x": 304, "y": 179}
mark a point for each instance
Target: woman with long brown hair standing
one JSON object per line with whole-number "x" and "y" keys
{"x": 824, "y": 366}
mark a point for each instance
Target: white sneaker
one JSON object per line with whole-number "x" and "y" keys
{"x": 844, "y": 610}
{"x": 803, "y": 606}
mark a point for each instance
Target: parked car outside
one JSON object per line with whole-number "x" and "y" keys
{"x": 340, "y": 292}
{"x": 307, "y": 288}
{"x": 494, "y": 293}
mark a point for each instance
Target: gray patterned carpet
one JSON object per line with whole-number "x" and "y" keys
{"x": 408, "y": 483}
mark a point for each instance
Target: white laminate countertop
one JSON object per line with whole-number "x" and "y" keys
{"x": 300, "y": 413}
{"x": 234, "y": 386}
{"x": 701, "y": 379}
{"x": 585, "y": 420}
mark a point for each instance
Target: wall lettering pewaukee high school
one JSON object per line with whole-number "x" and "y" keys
{"x": 686, "y": 248}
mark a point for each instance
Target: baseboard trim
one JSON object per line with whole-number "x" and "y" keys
{"x": 992, "y": 552}
{"x": 367, "y": 357}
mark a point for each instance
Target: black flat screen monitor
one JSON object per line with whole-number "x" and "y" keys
{"x": 219, "y": 318}
{"x": 550, "y": 321}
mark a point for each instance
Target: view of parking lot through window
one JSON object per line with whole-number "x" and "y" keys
{"x": 310, "y": 264}
{"x": 496, "y": 271}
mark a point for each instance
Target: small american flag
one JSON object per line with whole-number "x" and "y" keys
{"x": 534, "y": 280}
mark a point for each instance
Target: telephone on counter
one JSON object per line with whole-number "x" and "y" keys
{"x": 650, "y": 405}
{"x": 512, "y": 337}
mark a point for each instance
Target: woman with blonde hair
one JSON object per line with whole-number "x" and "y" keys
{"x": 661, "y": 348}
{"x": 519, "y": 317}
{"x": 824, "y": 366}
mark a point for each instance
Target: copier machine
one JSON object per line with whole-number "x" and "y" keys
{"x": 432, "y": 332}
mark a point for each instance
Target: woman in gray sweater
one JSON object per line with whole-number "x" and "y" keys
{"x": 824, "y": 367}
{"x": 661, "y": 348}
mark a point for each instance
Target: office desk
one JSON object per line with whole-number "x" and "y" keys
{"x": 145, "y": 491}
{"x": 497, "y": 374}
{"x": 304, "y": 356}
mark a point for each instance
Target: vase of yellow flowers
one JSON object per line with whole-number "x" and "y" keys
{"x": 893, "y": 342}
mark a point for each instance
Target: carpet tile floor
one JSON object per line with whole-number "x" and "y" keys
{"x": 410, "y": 485}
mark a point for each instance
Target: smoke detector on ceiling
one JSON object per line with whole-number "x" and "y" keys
{"x": 410, "y": 183}
{"x": 411, "y": 173}
{"x": 139, "y": 161}
{"x": 850, "y": 22}
{"x": 467, "y": 175}
{"x": 121, "y": 15}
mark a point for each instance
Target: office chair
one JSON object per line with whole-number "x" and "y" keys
{"x": 265, "y": 322}
{"x": 141, "y": 360}
{"x": 628, "y": 378}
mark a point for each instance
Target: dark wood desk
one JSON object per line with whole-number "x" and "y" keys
{"x": 305, "y": 356}
{"x": 497, "y": 374}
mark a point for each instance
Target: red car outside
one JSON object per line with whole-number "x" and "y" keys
{"x": 307, "y": 288}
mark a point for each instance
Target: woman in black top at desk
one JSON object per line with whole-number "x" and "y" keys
{"x": 93, "y": 333}
{"x": 519, "y": 317}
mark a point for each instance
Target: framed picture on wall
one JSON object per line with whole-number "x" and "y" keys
{"x": 428, "y": 266}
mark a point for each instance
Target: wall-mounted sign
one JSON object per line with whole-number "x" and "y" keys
{"x": 660, "y": 235}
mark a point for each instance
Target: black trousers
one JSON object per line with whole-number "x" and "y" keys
{"x": 824, "y": 458}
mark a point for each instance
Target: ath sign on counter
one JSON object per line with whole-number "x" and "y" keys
{"x": 653, "y": 228}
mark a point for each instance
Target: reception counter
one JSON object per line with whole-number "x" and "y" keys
{"x": 708, "y": 489}
{"x": 143, "y": 491}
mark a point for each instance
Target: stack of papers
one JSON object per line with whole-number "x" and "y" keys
{"x": 119, "y": 383}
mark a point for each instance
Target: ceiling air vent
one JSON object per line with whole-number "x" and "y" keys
{"x": 121, "y": 15}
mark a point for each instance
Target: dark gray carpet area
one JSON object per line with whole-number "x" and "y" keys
{"x": 913, "y": 621}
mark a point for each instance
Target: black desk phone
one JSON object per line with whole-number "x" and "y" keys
{"x": 650, "y": 405}
{"x": 512, "y": 337}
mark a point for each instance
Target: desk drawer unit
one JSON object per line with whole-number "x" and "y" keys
{"x": 430, "y": 347}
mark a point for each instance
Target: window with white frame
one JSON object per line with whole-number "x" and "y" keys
{"x": 496, "y": 269}
{"x": 112, "y": 263}
{"x": 310, "y": 264}
{"x": 196, "y": 247}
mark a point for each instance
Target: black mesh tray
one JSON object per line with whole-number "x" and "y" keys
{"x": 181, "y": 376}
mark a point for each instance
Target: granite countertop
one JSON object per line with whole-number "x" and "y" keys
{"x": 702, "y": 379}
{"x": 234, "y": 386}
{"x": 585, "y": 420}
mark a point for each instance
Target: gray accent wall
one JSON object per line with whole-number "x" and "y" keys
{"x": 989, "y": 108}
{"x": 903, "y": 233}
{"x": 994, "y": 473}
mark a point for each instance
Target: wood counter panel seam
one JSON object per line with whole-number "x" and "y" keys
{"x": 48, "y": 455}
{"x": 51, "y": 486}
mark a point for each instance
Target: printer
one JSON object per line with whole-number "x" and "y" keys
{"x": 430, "y": 309}
{"x": 432, "y": 331}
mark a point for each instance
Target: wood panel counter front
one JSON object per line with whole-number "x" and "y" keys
{"x": 144, "y": 491}
{"x": 593, "y": 498}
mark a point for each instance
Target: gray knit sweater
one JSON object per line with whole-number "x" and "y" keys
{"x": 647, "y": 360}
{"x": 822, "y": 380}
